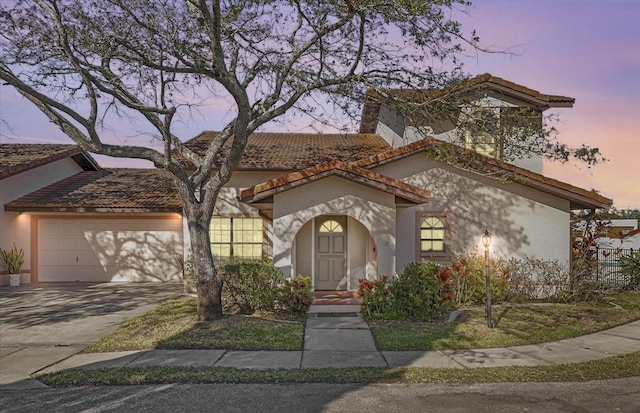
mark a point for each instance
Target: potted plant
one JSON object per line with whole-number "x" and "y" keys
{"x": 188, "y": 277}
{"x": 12, "y": 260}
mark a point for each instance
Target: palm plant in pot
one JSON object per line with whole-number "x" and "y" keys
{"x": 12, "y": 260}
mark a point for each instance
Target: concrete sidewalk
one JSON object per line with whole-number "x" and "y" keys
{"x": 337, "y": 336}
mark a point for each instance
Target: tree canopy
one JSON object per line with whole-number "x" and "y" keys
{"x": 83, "y": 62}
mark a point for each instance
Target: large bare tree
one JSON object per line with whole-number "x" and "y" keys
{"x": 82, "y": 62}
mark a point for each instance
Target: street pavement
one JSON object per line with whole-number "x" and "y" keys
{"x": 335, "y": 336}
{"x": 608, "y": 396}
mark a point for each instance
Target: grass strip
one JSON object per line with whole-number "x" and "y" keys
{"x": 173, "y": 325}
{"x": 614, "y": 367}
{"x": 516, "y": 326}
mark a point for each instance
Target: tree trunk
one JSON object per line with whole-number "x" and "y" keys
{"x": 207, "y": 279}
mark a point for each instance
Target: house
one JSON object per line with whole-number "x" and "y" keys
{"x": 337, "y": 207}
{"x": 78, "y": 222}
{"x": 620, "y": 233}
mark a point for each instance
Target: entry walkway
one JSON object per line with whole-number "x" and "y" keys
{"x": 337, "y": 336}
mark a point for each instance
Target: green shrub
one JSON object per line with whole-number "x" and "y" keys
{"x": 631, "y": 268}
{"x": 468, "y": 279}
{"x": 295, "y": 295}
{"x": 532, "y": 279}
{"x": 421, "y": 292}
{"x": 375, "y": 296}
{"x": 252, "y": 283}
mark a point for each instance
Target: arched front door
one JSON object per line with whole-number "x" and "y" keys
{"x": 331, "y": 253}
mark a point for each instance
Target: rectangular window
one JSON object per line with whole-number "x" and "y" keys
{"x": 504, "y": 133}
{"x": 236, "y": 237}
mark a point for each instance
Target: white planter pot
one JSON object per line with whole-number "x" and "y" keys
{"x": 189, "y": 287}
{"x": 14, "y": 280}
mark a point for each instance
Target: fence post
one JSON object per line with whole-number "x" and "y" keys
{"x": 597, "y": 263}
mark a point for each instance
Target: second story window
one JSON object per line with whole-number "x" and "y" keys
{"x": 504, "y": 133}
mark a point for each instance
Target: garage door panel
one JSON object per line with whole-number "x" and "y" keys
{"x": 109, "y": 249}
{"x": 49, "y": 259}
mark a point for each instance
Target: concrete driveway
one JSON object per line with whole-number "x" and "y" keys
{"x": 43, "y": 324}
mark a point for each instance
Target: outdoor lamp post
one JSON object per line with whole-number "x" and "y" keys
{"x": 486, "y": 241}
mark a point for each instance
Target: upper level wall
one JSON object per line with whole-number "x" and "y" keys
{"x": 398, "y": 131}
{"x": 228, "y": 202}
{"x": 524, "y": 222}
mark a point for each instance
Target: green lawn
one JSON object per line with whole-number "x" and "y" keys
{"x": 614, "y": 367}
{"x": 527, "y": 324}
{"x": 173, "y": 325}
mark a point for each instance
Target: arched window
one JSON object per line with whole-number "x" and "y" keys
{"x": 432, "y": 234}
{"x": 331, "y": 226}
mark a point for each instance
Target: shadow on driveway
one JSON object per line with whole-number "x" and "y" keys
{"x": 74, "y": 313}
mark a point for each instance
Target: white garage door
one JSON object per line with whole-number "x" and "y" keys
{"x": 72, "y": 250}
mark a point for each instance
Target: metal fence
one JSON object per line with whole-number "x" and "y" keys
{"x": 609, "y": 265}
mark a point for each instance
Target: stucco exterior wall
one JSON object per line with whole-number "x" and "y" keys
{"x": 334, "y": 196}
{"x": 228, "y": 203}
{"x": 398, "y": 132}
{"x": 522, "y": 221}
{"x": 15, "y": 228}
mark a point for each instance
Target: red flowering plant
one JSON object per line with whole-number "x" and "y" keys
{"x": 422, "y": 292}
{"x": 375, "y": 295}
{"x": 467, "y": 278}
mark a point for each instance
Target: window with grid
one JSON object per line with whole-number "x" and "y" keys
{"x": 432, "y": 234}
{"x": 482, "y": 130}
{"x": 236, "y": 237}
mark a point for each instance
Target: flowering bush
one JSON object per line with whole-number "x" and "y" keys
{"x": 375, "y": 296}
{"x": 468, "y": 279}
{"x": 295, "y": 295}
{"x": 421, "y": 292}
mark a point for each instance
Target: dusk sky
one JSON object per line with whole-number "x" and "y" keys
{"x": 586, "y": 49}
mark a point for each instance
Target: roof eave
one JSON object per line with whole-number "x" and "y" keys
{"x": 77, "y": 154}
{"x": 73, "y": 209}
{"x": 414, "y": 196}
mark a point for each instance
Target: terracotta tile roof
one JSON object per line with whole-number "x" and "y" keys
{"x": 374, "y": 101}
{"x": 17, "y": 158}
{"x": 405, "y": 193}
{"x": 294, "y": 151}
{"x": 106, "y": 190}
{"x": 551, "y": 101}
{"x": 579, "y": 198}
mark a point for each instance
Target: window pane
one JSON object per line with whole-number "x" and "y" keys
{"x": 257, "y": 236}
{"x": 243, "y": 236}
{"x": 331, "y": 226}
{"x": 221, "y": 250}
{"x": 432, "y": 234}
